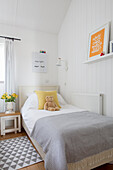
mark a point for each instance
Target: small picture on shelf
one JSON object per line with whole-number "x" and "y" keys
{"x": 41, "y": 51}
{"x": 111, "y": 46}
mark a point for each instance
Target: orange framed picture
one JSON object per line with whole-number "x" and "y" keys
{"x": 98, "y": 42}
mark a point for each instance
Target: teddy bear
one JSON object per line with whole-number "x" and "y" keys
{"x": 50, "y": 104}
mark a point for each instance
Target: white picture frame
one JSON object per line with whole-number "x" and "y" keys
{"x": 39, "y": 62}
{"x": 111, "y": 46}
{"x": 98, "y": 42}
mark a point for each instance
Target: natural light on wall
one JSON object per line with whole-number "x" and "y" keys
{"x": 2, "y": 74}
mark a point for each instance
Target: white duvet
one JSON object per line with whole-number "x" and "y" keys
{"x": 31, "y": 114}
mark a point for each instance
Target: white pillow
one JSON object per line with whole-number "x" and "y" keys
{"x": 30, "y": 103}
{"x": 61, "y": 100}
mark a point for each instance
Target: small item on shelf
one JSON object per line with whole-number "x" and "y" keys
{"x": 41, "y": 51}
{"x": 102, "y": 54}
{"x": 10, "y": 102}
{"x": 111, "y": 46}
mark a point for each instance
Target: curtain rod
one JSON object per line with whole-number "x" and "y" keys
{"x": 10, "y": 38}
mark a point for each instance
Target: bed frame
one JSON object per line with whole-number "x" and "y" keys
{"x": 91, "y": 102}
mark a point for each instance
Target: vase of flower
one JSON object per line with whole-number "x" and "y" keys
{"x": 10, "y": 102}
{"x": 9, "y": 107}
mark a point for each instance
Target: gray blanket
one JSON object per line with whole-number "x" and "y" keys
{"x": 69, "y": 138}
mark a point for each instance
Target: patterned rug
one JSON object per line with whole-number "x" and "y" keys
{"x": 17, "y": 153}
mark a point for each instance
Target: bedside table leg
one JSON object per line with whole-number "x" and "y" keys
{"x": 4, "y": 128}
{"x": 1, "y": 126}
{"x": 19, "y": 123}
{"x": 15, "y": 124}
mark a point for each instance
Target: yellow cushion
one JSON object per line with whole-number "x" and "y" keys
{"x": 41, "y": 98}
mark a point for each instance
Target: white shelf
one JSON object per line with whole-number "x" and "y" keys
{"x": 110, "y": 55}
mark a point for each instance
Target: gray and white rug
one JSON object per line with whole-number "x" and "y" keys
{"x": 17, "y": 153}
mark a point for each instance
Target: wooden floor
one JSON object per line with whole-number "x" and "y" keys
{"x": 40, "y": 166}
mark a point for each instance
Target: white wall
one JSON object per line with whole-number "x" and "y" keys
{"x": 32, "y": 41}
{"x": 83, "y": 17}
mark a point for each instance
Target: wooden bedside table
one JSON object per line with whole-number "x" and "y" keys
{"x": 11, "y": 116}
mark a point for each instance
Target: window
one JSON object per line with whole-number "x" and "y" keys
{"x": 2, "y": 63}
{"x": 2, "y": 74}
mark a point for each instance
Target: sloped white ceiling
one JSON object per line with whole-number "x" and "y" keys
{"x": 43, "y": 15}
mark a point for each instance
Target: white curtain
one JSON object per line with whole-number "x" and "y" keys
{"x": 9, "y": 67}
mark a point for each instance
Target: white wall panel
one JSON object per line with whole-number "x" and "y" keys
{"x": 83, "y": 17}
{"x": 32, "y": 41}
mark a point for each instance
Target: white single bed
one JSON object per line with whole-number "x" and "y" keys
{"x": 31, "y": 115}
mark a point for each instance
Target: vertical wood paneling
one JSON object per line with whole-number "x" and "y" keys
{"x": 82, "y": 18}
{"x": 111, "y": 37}
{"x": 108, "y": 66}
{"x": 88, "y": 29}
